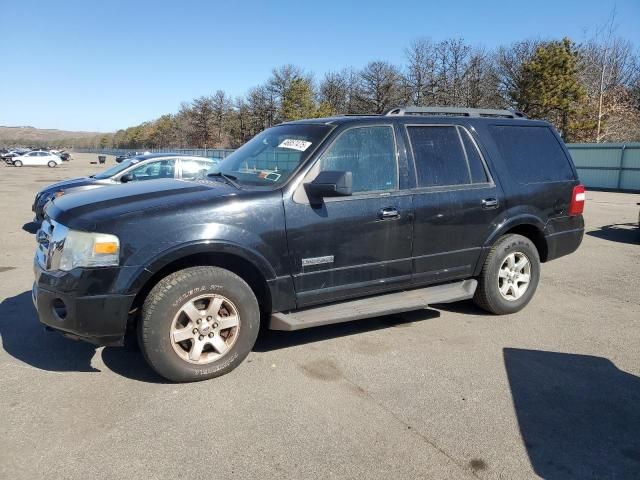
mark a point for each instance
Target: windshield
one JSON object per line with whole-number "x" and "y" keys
{"x": 269, "y": 158}
{"x": 110, "y": 172}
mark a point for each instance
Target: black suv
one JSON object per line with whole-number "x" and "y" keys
{"x": 312, "y": 222}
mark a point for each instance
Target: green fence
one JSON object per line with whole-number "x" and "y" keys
{"x": 610, "y": 166}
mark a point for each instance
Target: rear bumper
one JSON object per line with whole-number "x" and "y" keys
{"x": 563, "y": 243}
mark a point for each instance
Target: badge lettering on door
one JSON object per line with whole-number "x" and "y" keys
{"x": 307, "y": 262}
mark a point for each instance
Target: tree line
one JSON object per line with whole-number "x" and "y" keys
{"x": 590, "y": 91}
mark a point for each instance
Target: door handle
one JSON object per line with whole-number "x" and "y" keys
{"x": 388, "y": 213}
{"x": 490, "y": 203}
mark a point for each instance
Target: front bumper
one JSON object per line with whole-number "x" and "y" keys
{"x": 64, "y": 303}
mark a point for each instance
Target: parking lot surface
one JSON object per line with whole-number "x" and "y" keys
{"x": 445, "y": 392}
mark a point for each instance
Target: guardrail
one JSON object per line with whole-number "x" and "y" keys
{"x": 607, "y": 166}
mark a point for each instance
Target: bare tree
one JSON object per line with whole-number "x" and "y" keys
{"x": 509, "y": 75}
{"x": 339, "y": 90}
{"x": 610, "y": 68}
{"x": 221, "y": 106}
{"x": 380, "y": 87}
{"x": 421, "y": 72}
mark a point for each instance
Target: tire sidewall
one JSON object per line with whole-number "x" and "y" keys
{"x": 157, "y": 318}
{"x": 511, "y": 244}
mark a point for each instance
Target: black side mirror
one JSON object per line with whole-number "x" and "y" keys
{"x": 127, "y": 177}
{"x": 329, "y": 183}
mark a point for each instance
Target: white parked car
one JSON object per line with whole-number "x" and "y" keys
{"x": 37, "y": 158}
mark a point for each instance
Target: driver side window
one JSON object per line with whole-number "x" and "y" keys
{"x": 154, "y": 170}
{"x": 369, "y": 153}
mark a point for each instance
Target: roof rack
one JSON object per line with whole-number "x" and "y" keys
{"x": 454, "y": 112}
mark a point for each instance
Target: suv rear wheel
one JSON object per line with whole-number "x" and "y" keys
{"x": 198, "y": 323}
{"x": 509, "y": 277}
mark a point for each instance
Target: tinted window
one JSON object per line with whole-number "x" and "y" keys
{"x": 439, "y": 157}
{"x": 476, "y": 167}
{"x": 369, "y": 153}
{"x": 532, "y": 154}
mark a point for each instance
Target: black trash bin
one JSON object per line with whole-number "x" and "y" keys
{"x": 102, "y": 158}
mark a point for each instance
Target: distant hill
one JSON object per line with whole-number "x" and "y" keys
{"x": 46, "y": 136}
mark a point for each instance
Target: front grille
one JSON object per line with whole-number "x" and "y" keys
{"x": 50, "y": 240}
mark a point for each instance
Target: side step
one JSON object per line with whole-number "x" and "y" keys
{"x": 373, "y": 306}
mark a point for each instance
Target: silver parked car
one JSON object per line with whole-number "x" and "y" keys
{"x": 140, "y": 168}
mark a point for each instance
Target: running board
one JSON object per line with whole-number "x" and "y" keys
{"x": 373, "y": 306}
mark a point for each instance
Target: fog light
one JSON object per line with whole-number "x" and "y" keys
{"x": 59, "y": 309}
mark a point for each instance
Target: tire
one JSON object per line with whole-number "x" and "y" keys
{"x": 497, "y": 275}
{"x": 17, "y": 163}
{"x": 52, "y": 164}
{"x": 164, "y": 320}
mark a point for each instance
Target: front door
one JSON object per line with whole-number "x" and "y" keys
{"x": 356, "y": 245}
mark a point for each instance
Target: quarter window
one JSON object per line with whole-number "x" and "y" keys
{"x": 476, "y": 167}
{"x": 369, "y": 153}
{"x": 532, "y": 154}
{"x": 444, "y": 156}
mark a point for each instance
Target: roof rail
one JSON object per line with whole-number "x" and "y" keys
{"x": 454, "y": 112}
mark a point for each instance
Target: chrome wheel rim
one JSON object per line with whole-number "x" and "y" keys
{"x": 514, "y": 276}
{"x": 205, "y": 329}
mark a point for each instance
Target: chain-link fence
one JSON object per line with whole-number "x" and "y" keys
{"x": 218, "y": 153}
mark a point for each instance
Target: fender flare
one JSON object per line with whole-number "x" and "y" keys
{"x": 140, "y": 278}
{"x": 508, "y": 224}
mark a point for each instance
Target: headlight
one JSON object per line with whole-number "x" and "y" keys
{"x": 83, "y": 249}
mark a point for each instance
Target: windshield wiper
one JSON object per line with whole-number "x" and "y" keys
{"x": 229, "y": 178}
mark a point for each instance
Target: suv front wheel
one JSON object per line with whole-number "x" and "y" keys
{"x": 198, "y": 323}
{"x": 509, "y": 276}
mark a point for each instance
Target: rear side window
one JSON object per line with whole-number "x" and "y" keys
{"x": 532, "y": 154}
{"x": 444, "y": 156}
{"x": 478, "y": 173}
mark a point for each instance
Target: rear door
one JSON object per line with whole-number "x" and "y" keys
{"x": 356, "y": 245}
{"x": 456, "y": 202}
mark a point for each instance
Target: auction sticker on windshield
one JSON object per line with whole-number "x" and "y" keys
{"x": 294, "y": 144}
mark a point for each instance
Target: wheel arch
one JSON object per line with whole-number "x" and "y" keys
{"x": 248, "y": 265}
{"x": 528, "y": 226}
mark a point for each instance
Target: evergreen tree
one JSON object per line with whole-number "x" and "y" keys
{"x": 298, "y": 100}
{"x": 552, "y": 88}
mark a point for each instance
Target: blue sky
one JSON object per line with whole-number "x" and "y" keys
{"x": 83, "y": 65}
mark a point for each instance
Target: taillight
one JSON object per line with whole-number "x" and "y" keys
{"x": 576, "y": 207}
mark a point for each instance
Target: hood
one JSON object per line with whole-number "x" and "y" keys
{"x": 71, "y": 183}
{"x": 87, "y": 209}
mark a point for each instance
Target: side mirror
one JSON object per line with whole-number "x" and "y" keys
{"x": 329, "y": 183}
{"x": 127, "y": 177}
